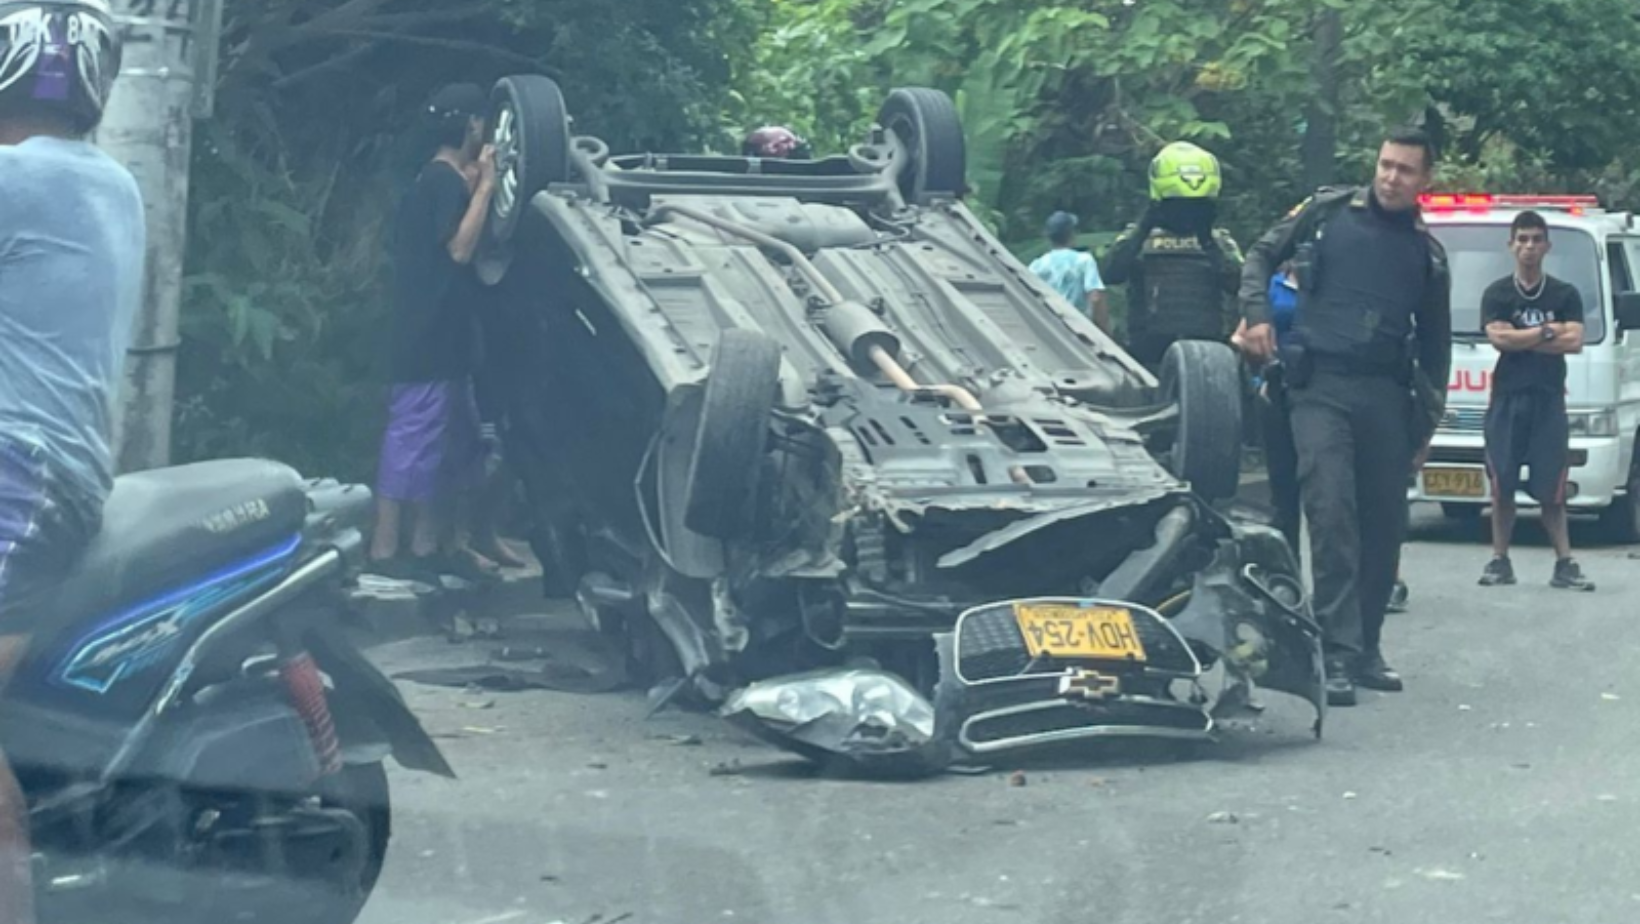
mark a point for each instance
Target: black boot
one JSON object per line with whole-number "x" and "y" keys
{"x": 1371, "y": 672}
{"x": 1340, "y": 681}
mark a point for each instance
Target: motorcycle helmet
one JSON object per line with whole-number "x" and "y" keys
{"x": 1184, "y": 171}
{"x": 776, "y": 141}
{"x": 58, "y": 56}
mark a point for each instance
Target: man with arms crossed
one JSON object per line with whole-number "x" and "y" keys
{"x": 1534, "y": 320}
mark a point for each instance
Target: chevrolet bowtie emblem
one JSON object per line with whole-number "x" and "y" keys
{"x": 1089, "y": 685}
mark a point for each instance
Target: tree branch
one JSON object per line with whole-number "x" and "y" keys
{"x": 454, "y": 44}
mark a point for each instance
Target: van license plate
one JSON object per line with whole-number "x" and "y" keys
{"x": 1454, "y": 482}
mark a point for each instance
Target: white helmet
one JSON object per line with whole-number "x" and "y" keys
{"x": 58, "y": 55}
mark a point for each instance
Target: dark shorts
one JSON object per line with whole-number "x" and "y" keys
{"x": 40, "y": 535}
{"x": 1528, "y": 429}
{"x": 432, "y": 447}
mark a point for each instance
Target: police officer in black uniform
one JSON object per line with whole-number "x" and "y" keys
{"x": 1366, "y": 372}
{"x": 1181, "y": 271}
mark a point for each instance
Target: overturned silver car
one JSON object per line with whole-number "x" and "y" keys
{"x": 781, "y": 415}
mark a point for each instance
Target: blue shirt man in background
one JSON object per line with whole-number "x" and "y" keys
{"x": 1072, "y": 273}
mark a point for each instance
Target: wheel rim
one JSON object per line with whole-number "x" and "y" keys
{"x": 509, "y": 159}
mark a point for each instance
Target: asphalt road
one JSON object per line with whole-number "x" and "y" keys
{"x": 1504, "y": 785}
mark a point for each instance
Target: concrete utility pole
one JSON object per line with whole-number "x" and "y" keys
{"x": 167, "y": 80}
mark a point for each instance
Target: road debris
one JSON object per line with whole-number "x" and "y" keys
{"x": 1349, "y": 795}
{"x": 561, "y": 678}
{"x": 1438, "y": 874}
{"x": 1610, "y": 697}
{"x": 1017, "y": 778}
{"x": 682, "y": 741}
{"x": 1224, "y": 818}
{"x": 726, "y": 768}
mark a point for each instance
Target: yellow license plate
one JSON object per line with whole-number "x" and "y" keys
{"x": 1061, "y": 631}
{"x": 1454, "y": 482}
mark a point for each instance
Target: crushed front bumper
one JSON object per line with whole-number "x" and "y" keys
{"x": 1244, "y": 612}
{"x": 1002, "y": 698}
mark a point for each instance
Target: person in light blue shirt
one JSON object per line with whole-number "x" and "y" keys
{"x": 1072, "y": 273}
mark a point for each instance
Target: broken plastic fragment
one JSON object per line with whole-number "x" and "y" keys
{"x": 865, "y": 719}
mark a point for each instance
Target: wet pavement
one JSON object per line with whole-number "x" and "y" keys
{"x": 1499, "y": 787}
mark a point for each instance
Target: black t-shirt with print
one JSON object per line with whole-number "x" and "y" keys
{"x": 1530, "y": 370}
{"x": 433, "y": 294}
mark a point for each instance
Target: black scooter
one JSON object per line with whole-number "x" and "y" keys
{"x": 197, "y": 739}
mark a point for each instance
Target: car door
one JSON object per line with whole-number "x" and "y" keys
{"x": 1627, "y": 347}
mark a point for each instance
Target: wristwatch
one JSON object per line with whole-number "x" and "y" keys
{"x": 1548, "y": 332}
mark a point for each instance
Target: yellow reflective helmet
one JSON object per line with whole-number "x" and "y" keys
{"x": 1184, "y": 171}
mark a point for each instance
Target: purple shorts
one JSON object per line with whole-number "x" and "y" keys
{"x": 432, "y": 447}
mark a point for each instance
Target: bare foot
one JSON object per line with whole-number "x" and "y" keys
{"x": 496, "y": 549}
{"x": 478, "y": 559}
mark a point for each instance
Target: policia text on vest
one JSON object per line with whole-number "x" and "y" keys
{"x": 1373, "y": 332}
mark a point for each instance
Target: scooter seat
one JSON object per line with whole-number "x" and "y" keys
{"x": 165, "y": 529}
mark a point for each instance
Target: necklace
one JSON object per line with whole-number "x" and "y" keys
{"x": 1530, "y": 295}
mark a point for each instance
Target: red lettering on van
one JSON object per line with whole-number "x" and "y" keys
{"x": 1470, "y": 380}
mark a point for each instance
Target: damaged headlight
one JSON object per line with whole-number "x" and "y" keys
{"x": 867, "y": 718}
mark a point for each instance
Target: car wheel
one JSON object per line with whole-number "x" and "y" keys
{"x": 925, "y": 124}
{"x": 1203, "y": 378}
{"x": 531, "y": 133}
{"x": 727, "y": 458}
{"x": 1621, "y": 521}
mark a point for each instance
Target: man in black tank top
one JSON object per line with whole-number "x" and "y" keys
{"x": 1366, "y": 369}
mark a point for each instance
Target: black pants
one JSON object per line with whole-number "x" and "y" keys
{"x": 1281, "y": 464}
{"x": 1353, "y": 439}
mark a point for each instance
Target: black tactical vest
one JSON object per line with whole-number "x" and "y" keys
{"x": 1183, "y": 294}
{"x": 1369, "y": 277}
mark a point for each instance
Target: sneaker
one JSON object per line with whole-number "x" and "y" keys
{"x": 1500, "y": 571}
{"x": 1398, "y": 597}
{"x": 1568, "y": 576}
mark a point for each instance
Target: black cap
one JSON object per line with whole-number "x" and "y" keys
{"x": 458, "y": 99}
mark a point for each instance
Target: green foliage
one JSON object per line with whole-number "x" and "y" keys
{"x": 285, "y": 314}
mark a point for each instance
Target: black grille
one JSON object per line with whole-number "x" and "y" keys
{"x": 1069, "y": 717}
{"x": 1476, "y": 455}
{"x": 992, "y": 646}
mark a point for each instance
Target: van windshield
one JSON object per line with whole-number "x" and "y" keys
{"x": 1479, "y": 256}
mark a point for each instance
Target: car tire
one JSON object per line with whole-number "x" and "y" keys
{"x": 741, "y": 387}
{"x": 1203, "y": 378}
{"x": 531, "y": 131}
{"x": 1620, "y": 522}
{"x": 928, "y": 129}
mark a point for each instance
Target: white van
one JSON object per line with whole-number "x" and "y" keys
{"x": 1599, "y": 253}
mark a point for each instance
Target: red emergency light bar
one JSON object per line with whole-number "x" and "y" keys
{"x": 1485, "y": 202}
